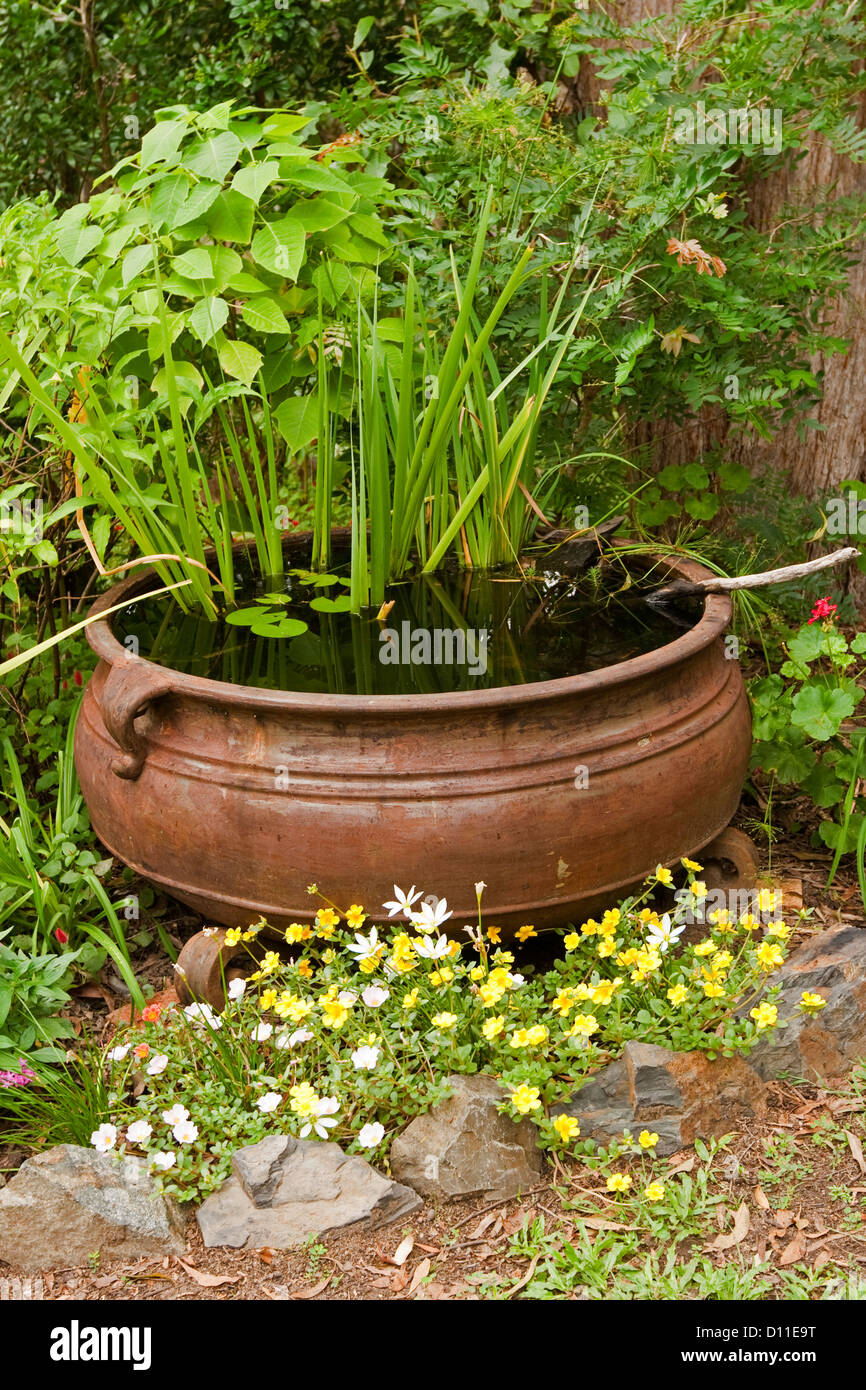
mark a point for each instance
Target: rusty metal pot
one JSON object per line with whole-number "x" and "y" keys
{"x": 560, "y": 795}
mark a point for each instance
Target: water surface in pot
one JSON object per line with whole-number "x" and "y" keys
{"x": 455, "y": 630}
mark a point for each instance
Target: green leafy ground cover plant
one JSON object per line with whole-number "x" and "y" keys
{"x": 356, "y": 1032}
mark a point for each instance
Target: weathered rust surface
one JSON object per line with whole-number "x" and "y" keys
{"x": 180, "y": 774}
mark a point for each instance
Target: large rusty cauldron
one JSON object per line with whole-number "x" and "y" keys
{"x": 558, "y": 794}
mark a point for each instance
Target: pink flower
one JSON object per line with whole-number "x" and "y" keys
{"x": 823, "y": 609}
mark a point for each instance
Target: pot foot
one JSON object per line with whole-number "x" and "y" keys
{"x": 730, "y": 861}
{"x": 204, "y": 969}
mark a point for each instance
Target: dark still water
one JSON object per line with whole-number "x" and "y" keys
{"x": 462, "y": 630}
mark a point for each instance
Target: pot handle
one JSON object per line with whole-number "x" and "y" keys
{"x": 128, "y": 691}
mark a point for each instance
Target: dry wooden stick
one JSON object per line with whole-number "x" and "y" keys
{"x": 687, "y": 588}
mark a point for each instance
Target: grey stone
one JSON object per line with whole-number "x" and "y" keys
{"x": 833, "y": 964}
{"x": 465, "y": 1146}
{"x": 678, "y": 1095}
{"x": 66, "y": 1203}
{"x": 284, "y": 1190}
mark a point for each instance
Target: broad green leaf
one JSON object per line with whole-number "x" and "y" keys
{"x": 820, "y": 710}
{"x": 208, "y": 317}
{"x": 187, "y": 378}
{"x": 317, "y": 214}
{"x": 286, "y": 123}
{"x": 167, "y": 198}
{"x": 162, "y": 143}
{"x": 297, "y": 420}
{"x": 239, "y": 360}
{"x": 322, "y": 604}
{"x": 212, "y": 158}
{"x": 135, "y": 261}
{"x": 231, "y": 218}
{"x": 194, "y": 264}
{"x": 197, "y": 202}
{"x": 369, "y": 227}
{"x": 696, "y": 476}
{"x": 245, "y": 283}
{"x": 74, "y": 242}
{"x": 225, "y": 263}
{"x": 313, "y": 176}
{"x": 277, "y": 625}
{"x": 279, "y": 246}
{"x": 264, "y": 315}
{"x": 362, "y": 29}
{"x": 254, "y": 179}
{"x": 702, "y": 508}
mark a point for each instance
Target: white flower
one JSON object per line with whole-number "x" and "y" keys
{"x": 164, "y": 1161}
{"x": 284, "y": 1040}
{"x": 374, "y": 995}
{"x": 117, "y": 1054}
{"x": 327, "y": 1105}
{"x": 157, "y": 1064}
{"x": 430, "y": 917}
{"x": 262, "y": 1032}
{"x": 236, "y": 989}
{"x": 175, "y": 1114}
{"x": 371, "y": 1135}
{"x": 269, "y": 1102}
{"x": 139, "y": 1132}
{"x": 662, "y": 935}
{"x": 433, "y": 950}
{"x": 185, "y": 1131}
{"x": 365, "y": 945}
{"x": 203, "y": 1013}
{"x": 346, "y": 998}
{"x": 104, "y": 1138}
{"x": 365, "y": 1058}
{"x": 515, "y": 981}
{"x": 402, "y": 901}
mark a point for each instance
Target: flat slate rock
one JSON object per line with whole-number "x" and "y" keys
{"x": 464, "y": 1146}
{"x": 66, "y": 1203}
{"x": 284, "y": 1190}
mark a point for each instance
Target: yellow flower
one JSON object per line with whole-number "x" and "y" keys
{"x": 355, "y": 917}
{"x": 293, "y": 1007}
{"x": 328, "y": 956}
{"x": 584, "y": 1026}
{"x": 519, "y": 1038}
{"x": 490, "y": 993}
{"x": 444, "y": 976}
{"x": 603, "y": 992}
{"x": 678, "y": 994}
{"x": 618, "y": 1182}
{"x": 563, "y": 1003}
{"x": 721, "y": 921}
{"x": 526, "y": 1098}
{"x": 304, "y": 1100}
{"x": 605, "y": 947}
{"x": 699, "y": 889}
{"x": 334, "y": 1014}
{"x": 524, "y": 933}
{"x": 723, "y": 961}
{"x": 268, "y": 998}
{"x": 503, "y": 958}
{"x": 627, "y": 957}
{"x": 705, "y": 948}
{"x": 589, "y": 928}
{"x": 297, "y": 931}
{"x": 403, "y": 957}
{"x": 712, "y": 990}
{"x": 368, "y": 965}
{"x": 654, "y": 1191}
{"x": 663, "y": 875}
{"x": 536, "y": 1035}
{"x": 769, "y": 956}
{"x": 765, "y": 1015}
{"x": 567, "y": 1127}
{"x": 410, "y": 999}
{"x": 690, "y": 864}
{"x": 326, "y": 917}
{"x": 477, "y": 973}
{"x": 325, "y": 932}
{"x": 779, "y": 930}
{"x": 770, "y": 900}
{"x": 610, "y": 921}
{"x": 493, "y": 1026}
{"x": 444, "y": 1021}
{"x": 647, "y": 1140}
{"x": 571, "y": 941}
{"x": 812, "y": 1001}
{"x": 749, "y": 923}
{"x": 234, "y": 936}
{"x": 494, "y": 935}
{"x": 305, "y": 970}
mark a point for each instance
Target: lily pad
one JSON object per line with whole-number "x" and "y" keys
{"x": 343, "y": 604}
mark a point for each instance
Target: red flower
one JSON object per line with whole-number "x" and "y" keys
{"x": 151, "y": 1012}
{"x": 823, "y": 609}
{"x": 61, "y": 936}
{"x": 77, "y": 677}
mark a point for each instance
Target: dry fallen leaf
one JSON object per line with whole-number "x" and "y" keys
{"x": 783, "y": 1219}
{"x": 483, "y": 1225}
{"x": 761, "y": 1199}
{"x": 421, "y": 1272}
{"x": 793, "y": 1251}
{"x": 208, "y": 1281}
{"x": 742, "y": 1224}
{"x": 856, "y": 1149}
{"x": 266, "y": 1254}
{"x": 598, "y": 1223}
{"x": 315, "y": 1290}
{"x": 685, "y": 1167}
{"x": 399, "y": 1280}
{"x": 403, "y": 1251}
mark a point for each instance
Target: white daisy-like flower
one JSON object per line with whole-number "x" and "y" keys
{"x": 346, "y": 998}
{"x": 139, "y": 1132}
{"x": 433, "y": 950}
{"x": 320, "y": 1124}
{"x": 402, "y": 902}
{"x": 661, "y": 935}
{"x": 175, "y": 1114}
{"x": 104, "y": 1138}
{"x": 515, "y": 981}
{"x": 163, "y": 1161}
{"x": 269, "y": 1102}
{"x": 371, "y": 1135}
{"x": 117, "y": 1054}
{"x": 262, "y": 1032}
{"x": 185, "y": 1132}
{"x": 203, "y": 1013}
{"x": 236, "y": 989}
{"x": 365, "y": 1058}
{"x": 374, "y": 995}
{"x": 157, "y": 1064}
{"x": 287, "y": 1040}
{"x": 431, "y": 916}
